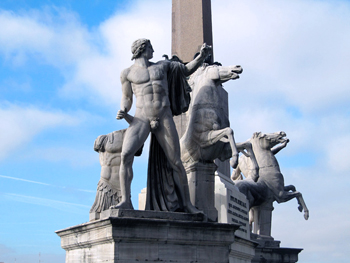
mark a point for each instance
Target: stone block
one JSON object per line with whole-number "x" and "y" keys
{"x": 127, "y": 240}
{"x": 94, "y": 216}
{"x": 232, "y": 205}
{"x": 201, "y": 184}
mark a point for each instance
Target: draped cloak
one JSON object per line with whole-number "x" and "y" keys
{"x": 162, "y": 192}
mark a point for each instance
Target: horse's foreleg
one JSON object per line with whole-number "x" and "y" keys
{"x": 234, "y": 159}
{"x": 302, "y": 206}
{"x": 225, "y": 135}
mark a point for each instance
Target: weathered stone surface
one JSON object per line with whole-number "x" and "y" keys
{"x": 201, "y": 184}
{"x": 269, "y": 251}
{"x": 242, "y": 250}
{"x": 191, "y": 26}
{"x": 232, "y": 205}
{"x": 143, "y": 240}
{"x": 128, "y": 213}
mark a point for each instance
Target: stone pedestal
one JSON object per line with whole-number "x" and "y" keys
{"x": 269, "y": 251}
{"x": 232, "y": 205}
{"x": 139, "y": 240}
{"x": 201, "y": 184}
{"x": 262, "y": 218}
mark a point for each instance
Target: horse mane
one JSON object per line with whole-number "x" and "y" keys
{"x": 256, "y": 135}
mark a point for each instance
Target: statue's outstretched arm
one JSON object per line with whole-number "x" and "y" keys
{"x": 194, "y": 64}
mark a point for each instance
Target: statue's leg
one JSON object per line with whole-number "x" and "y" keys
{"x": 290, "y": 188}
{"x": 134, "y": 137}
{"x": 253, "y": 167}
{"x": 302, "y": 206}
{"x": 168, "y": 139}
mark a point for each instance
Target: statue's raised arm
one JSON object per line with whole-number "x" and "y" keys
{"x": 194, "y": 64}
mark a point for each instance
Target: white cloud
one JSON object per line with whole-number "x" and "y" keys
{"x": 19, "y": 125}
{"x": 90, "y": 61}
{"x": 294, "y": 51}
{"x": 339, "y": 153}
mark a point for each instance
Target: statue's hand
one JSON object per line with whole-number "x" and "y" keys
{"x": 205, "y": 49}
{"x": 121, "y": 114}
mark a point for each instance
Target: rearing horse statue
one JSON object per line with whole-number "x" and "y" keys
{"x": 264, "y": 181}
{"x": 208, "y": 135}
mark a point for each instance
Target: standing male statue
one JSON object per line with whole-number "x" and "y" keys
{"x": 148, "y": 81}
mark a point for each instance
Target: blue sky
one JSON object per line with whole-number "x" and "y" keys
{"x": 60, "y": 63}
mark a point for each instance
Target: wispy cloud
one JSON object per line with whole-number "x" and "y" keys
{"x": 63, "y": 206}
{"x": 42, "y": 183}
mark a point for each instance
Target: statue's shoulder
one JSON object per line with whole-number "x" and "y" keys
{"x": 163, "y": 63}
{"x": 124, "y": 74}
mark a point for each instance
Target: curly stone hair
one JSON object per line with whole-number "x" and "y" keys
{"x": 138, "y": 47}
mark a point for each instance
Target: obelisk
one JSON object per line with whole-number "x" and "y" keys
{"x": 191, "y": 27}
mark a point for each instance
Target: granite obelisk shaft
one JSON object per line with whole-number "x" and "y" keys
{"x": 191, "y": 27}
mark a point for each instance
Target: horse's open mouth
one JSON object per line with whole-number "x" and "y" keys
{"x": 282, "y": 138}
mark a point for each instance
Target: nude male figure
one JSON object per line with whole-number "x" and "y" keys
{"x": 148, "y": 82}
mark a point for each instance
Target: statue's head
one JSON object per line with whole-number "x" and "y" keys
{"x": 139, "y": 46}
{"x": 269, "y": 140}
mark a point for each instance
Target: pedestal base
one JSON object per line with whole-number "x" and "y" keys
{"x": 202, "y": 186}
{"x": 269, "y": 251}
{"x": 141, "y": 240}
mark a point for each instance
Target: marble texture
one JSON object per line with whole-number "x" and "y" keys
{"x": 141, "y": 240}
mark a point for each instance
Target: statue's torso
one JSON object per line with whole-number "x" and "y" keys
{"x": 150, "y": 86}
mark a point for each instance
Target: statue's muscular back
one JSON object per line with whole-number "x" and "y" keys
{"x": 150, "y": 86}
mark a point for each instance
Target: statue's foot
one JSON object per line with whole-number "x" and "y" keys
{"x": 306, "y": 214}
{"x": 123, "y": 205}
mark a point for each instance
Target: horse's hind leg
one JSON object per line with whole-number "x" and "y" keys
{"x": 302, "y": 206}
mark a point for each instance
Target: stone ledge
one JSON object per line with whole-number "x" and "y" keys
{"x": 121, "y": 239}
{"x": 127, "y": 213}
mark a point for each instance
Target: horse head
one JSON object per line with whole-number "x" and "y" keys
{"x": 230, "y": 72}
{"x": 268, "y": 140}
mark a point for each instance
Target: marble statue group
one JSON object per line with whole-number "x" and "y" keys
{"x": 169, "y": 88}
